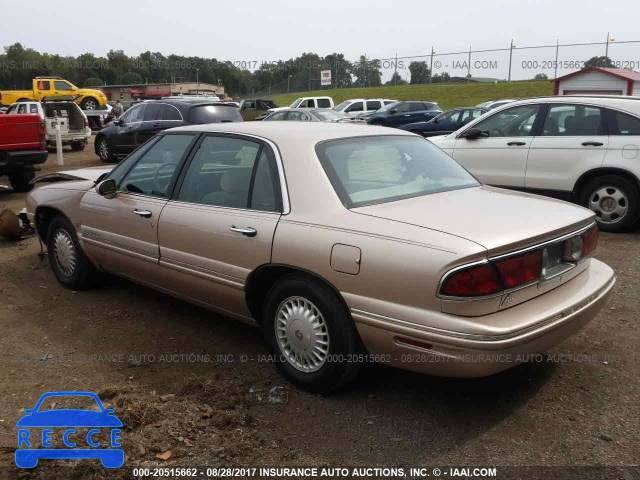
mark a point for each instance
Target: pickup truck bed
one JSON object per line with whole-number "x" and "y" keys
{"x": 22, "y": 147}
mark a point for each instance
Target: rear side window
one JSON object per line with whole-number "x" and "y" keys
{"x": 324, "y": 103}
{"x": 373, "y": 105}
{"x": 213, "y": 114}
{"x": 573, "y": 120}
{"x": 169, "y": 112}
{"x": 622, "y": 124}
{"x": 33, "y": 108}
{"x": 151, "y": 112}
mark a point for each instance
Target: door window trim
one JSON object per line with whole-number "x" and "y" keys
{"x": 285, "y": 206}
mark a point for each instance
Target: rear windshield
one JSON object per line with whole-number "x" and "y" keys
{"x": 369, "y": 170}
{"x": 330, "y": 115}
{"x": 214, "y": 114}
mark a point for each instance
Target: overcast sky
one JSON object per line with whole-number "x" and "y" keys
{"x": 266, "y": 30}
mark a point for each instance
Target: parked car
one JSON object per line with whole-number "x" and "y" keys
{"x": 345, "y": 244}
{"x": 312, "y": 115}
{"x": 446, "y": 122}
{"x": 401, "y": 113}
{"x": 252, "y": 108}
{"x": 491, "y": 104}
{"x": 143, "y": 120}
{"x": 308, "y": 102}
{"x": 74, "y": 125}
{"x": 578, "y": 148}
{"x": 361, "y": 106}
{"x": 22, "y": 147}
{"x": 43, "y": 87}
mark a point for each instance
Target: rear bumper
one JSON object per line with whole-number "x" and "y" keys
{"x": 24, "y": 158}
{"x": 459, "y": 354}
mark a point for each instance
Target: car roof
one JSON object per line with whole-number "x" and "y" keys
{"x": 307, "y": 133}
{"x": 618, "y": 101}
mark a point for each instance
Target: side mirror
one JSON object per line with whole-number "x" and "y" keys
{"x": 107, "y": 188}
{"x": 118, "y": 122}
{"x": 471, "y": 134}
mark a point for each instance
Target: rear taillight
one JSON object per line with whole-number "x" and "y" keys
{"x": 589, "y": 241}
{"x": 43, "y": 136}
{"x": 472, "y": 282}
{"x": 516, "y": 271}
{"x": 86, "y": 123}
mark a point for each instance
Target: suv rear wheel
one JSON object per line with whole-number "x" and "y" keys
{"x": 614, "y": 199}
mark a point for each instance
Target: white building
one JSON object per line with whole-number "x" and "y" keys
{"x": 598, "y": 81}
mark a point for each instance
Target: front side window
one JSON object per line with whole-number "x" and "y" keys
{"x": 622, "y": 123}
{"x": 137, "y": 113}
{"x": 297, "y": 117}
{"x": 324, "y": 103}
{"x": 154, "y": 173}
{"x": 62, "y": 85}
{"x": 449, "y": 116}
{"x": 403, "y": 107}
{"x": 277, "y": 116}
{"x": 232, "y": 172}
{"x": 22, "y": 108}
{"x": 355, "y": 107}
{"x": 151, "y": 112}
{"x": 573, "y": 120}
{"x": 369, "y": 170}
{"x": 512, "y": 122}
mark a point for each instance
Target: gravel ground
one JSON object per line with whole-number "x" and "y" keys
{"x": 177, "y": 378}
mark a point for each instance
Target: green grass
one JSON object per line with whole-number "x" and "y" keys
{"x": 447, "y": 96}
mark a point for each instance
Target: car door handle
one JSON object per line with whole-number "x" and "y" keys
{"x": 407, "y": 114}
{"x": 516, "y": 144}
{"x": 247, "y": 231}
{"x": 143, "y": 213}
{"x": 592, "y": 144}
{"x": 156, "y": 124}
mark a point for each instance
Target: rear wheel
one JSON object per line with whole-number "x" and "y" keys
{"x": 311, "y": 334}
{"x": 70, "y": 265}
{"x": 104, "y": 150}
{"x": 89, "y": 104}
{"x": 614, "y": 199}
{"x": 20, "y": 180}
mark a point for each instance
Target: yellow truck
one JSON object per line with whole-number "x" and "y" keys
{"x": 44, "y": 87}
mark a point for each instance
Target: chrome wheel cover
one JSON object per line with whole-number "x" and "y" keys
{"x": 90, "y": 105}
{"x": 610, "y": 204}
{"x": 302, "y": 334}
{"x": 104, "y": 149}
{"x": 64, "y": 252}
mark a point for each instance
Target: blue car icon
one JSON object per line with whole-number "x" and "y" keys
{"x": 31, "y": 448}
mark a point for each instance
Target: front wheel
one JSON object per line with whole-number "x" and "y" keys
{"x": 70, "y": 265}
{"x": 89, "y": 104}
{"x": 311, "y": 334}
{"x": 614, "y": 199}
{"x": 20, "y": 180}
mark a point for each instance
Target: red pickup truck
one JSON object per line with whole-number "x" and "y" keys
{"x": 22, "y": 147}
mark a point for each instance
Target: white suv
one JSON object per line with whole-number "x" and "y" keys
{"x": 362, "y": 106}
{"x": 307, "y": 102}
{"x": 578, "y": 148}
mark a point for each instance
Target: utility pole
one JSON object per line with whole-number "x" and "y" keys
{"x": 606, "y": 51}
{"x": 510, "y": 58}
{"x": 469, "y": 66}
{"x": 395, "y": 72}
{"x": 555, "y": 71}
{"x": 431, "y": 65}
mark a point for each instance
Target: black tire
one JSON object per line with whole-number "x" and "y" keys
{"x": 613, "y": 192}
{"x": 62, "y": 245}
{"x": 20, "y": 180}
{"x": 89, "y": 103}
{"x": 337, "y": 329}
{"x": 77, "y": 146}
{"x": 103, "y": 149}
{"x": 377, "y": 123}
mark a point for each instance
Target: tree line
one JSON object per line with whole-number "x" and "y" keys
{"x": 19, "y": 65}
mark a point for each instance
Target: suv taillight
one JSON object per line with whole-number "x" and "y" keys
{"x": 43, "y": 136}
{"x": 86, "y": 122}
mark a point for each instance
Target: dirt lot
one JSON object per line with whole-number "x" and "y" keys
{"x": 191, "y": 383}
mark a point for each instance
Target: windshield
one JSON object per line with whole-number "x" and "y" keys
{"x": 329, "y": 115}
{"x": 342, "y": 106}
{"x": 296, "y": 103}
{"x": 369, "y": 170}
{"x": 389, "y": 107}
